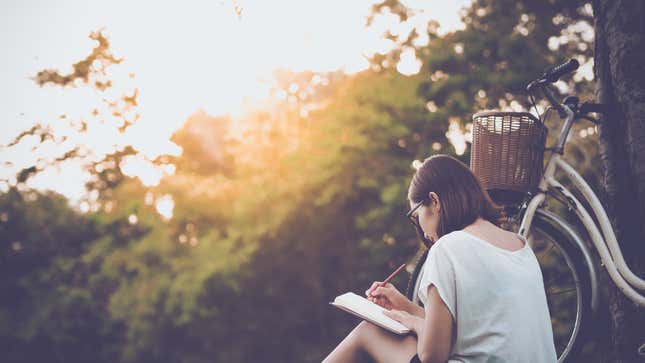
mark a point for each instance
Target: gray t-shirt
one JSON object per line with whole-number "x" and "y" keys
{"x": 495, "y": 296}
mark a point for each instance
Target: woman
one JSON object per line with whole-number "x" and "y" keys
{"x": 481, "y": 286}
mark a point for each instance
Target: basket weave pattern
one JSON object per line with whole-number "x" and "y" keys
{"x": 508, "y": 151}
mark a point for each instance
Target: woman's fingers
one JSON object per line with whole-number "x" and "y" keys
{"x": 381, "y": 295}
{"x": 378, "y": 300}
{"x": 370, "y": 291}
{"x": 386, "y": 304}
{"x": 382, "y": 291}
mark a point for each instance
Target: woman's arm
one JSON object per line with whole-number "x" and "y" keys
{"x": 434, "y": 333}
{"x": 415, "y": 310}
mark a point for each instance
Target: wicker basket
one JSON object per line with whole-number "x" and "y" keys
{"x": 507, "y": 153}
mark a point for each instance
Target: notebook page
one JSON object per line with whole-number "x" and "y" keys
{"x": 373, "y": 311}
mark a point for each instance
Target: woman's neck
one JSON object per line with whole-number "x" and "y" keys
{"x": 480, "y": 222}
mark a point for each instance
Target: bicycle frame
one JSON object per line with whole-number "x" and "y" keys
{"x": 612, "y": 258}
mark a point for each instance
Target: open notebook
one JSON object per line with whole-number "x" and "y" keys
{"x": 365, "y": 309}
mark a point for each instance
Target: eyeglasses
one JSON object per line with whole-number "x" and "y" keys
{"x": 413, "y": 216}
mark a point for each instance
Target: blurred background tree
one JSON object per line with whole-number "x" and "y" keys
{"x": 620, "y": 82}
{"x": 235, "y": 253}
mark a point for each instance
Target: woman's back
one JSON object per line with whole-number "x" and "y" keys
{"x": 496, "y": 297}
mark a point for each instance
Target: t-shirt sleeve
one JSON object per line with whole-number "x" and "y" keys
{"x": 439, "y": 271}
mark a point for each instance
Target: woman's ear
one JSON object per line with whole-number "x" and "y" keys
{"x": 435, "y": 204}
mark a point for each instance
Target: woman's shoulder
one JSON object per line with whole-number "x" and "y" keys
{"x": 447, "y": 238}
{"x": 456, "y": 242}
{"x": 448, "y": 242}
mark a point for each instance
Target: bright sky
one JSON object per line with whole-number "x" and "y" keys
{"x": 186, "y": 55}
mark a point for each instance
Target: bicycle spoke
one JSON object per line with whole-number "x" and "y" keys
{"x": 561, "y": 287}
{"x": 560, "y": 275}
{"x": 547, "y": 252}
{"x": 556, "y": 292}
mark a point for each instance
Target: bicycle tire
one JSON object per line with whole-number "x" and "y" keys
{"x": 409, "y": 292}
{"x": 576, "y": 340}
{"x": 543, "y": 223}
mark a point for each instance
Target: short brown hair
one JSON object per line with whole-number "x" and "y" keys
{"x": 462, "y": 196}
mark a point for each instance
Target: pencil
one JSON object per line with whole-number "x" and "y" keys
{"x": 392, "y": 275}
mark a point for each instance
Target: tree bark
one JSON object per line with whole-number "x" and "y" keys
{"x": 619, "y": 67}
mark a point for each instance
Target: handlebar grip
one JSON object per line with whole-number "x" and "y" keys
{"x": 555, "y": 73}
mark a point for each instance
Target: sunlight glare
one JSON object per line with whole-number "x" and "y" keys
{"x": 164, "y": 206}
{"x": 205, "y": 55}
{"x": 132, "y": 219}
{"x": 408, "y": 64}
{"x": 149, "y": 174}
{"x": 456, "y": 137}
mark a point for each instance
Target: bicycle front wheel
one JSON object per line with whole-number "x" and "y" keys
{"x": 567, "y": 283}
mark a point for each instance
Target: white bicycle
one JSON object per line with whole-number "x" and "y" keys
{"x": 507, "y": 156}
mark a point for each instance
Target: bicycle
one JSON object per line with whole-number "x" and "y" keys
{"x": 574, "y": 268}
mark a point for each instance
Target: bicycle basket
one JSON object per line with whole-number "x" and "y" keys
{"x": 507, "y": 153}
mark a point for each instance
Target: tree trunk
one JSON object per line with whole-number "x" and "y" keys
{"x": 619, "y": 67}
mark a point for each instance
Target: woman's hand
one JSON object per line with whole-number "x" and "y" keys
{"x": 388, "y": 297}
{"x": 410, "y": 321}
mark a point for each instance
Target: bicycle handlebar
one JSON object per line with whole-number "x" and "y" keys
{"x": 553, "y": 74}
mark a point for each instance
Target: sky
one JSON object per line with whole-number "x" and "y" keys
{"x": 186, "y": 56}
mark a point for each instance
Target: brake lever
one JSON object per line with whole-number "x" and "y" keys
{"x": 538, "y": 82}
{"x": 587, "y": 107}
{"x": 588, "y": 118}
